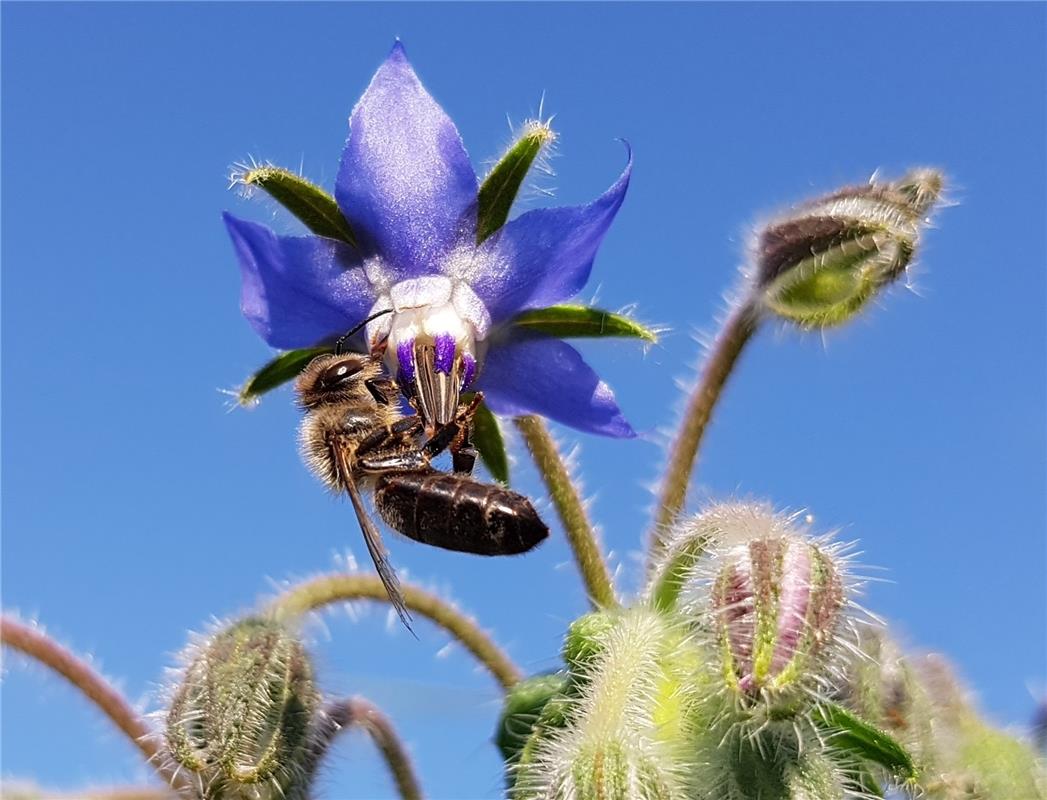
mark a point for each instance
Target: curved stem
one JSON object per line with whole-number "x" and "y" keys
{"x": 35, "y": 644}
{"x": 362, "y": 713}
{"x": 324, "y": 590}
{"x": 564, "y": 494}
{"x": 736, "y": 332}
{"x": 119, "y": 793}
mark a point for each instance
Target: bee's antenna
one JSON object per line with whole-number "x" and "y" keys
{"x": 341, "y": 340}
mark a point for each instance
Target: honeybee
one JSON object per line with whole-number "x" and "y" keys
{"x": 355, "y": 437}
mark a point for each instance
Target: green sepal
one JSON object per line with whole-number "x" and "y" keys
{"x": 847, "y": 732}
{"x": 489, "y": 442}
{"x": 522, "y": 709}
{"x": 285, "y": 367}
{"x": 864, "y": 781}
{"x": 669, "y": 584}
{"x": 317, "y": 210}
{"x": 502, "y": 184}
{"x": 570, "y": 321}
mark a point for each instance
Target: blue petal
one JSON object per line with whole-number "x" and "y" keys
{"x": 544, "y": 256}
{"x": 298, "y": 291}
{"x": 405, "y": 182}
{"x": 529, "y": 374}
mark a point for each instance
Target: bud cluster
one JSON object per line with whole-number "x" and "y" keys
{"x": 686, "y": 694}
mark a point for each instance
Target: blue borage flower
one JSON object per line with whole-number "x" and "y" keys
{"x": 409, "y": 195}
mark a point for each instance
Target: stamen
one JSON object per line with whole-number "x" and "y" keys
{"x": 443, "y": 358}
{"x": 405, "y": 359}
{"x": 468, "y": 369}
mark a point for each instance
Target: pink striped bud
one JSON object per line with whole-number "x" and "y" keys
{"x": 776, "y": 605}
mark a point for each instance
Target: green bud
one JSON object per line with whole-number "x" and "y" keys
{"x": 821, "y": 264}
{"x": 586, "y": 638}
{"x": 523, "y": 707}
{"x": 242, "y": 717}
{"x": 615, "y": 771}
{"x": 624, "y": 731}
{"x": 975, "y": 759}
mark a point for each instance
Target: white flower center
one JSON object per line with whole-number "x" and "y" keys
{"x": 432, "y": 340}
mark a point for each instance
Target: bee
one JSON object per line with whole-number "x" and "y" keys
{"x": 355, "y": 438}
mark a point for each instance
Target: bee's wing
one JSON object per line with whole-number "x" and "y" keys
{"x": 374, "y": 542}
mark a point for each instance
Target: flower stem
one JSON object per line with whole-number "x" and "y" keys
{"x": 736, "y": 332}
{"x": 569, "y": 506}
{"x": 119, "y": 793}
{"x": 323, "y": 590}
{"x": 359, "y": 712}
{"x": 35, "y": 644}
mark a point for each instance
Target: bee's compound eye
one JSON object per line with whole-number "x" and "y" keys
{"x": 338, "y": 375}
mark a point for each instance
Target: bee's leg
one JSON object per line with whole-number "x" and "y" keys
{"x": 383, "y": 390}
{"x": 443, "y": 438}
{"x": 394, "y": 461}
{"x": 397, "y": 436}
{"x": 386, "y": 450}
{"x": 463, "y": 454}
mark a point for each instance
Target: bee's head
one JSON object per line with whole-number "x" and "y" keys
{"x": 336, "y": 379}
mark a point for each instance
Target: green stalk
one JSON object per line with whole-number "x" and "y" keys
{"x": 324, "y": 590}
{"x": 37, "y": 645}
{"x": 359, "y": 712}
{"x": 737, "y": 330}
{"x": 564, "y": 494}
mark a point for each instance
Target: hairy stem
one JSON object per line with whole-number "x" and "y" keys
{"x": 35, "y": 644}
{"x": 564, "y": 494}
{"x": 324, "y": 590}
{"x": 359, "y": 712}
{"x": 736, "y": 332}
{"x": 118, "y": 793}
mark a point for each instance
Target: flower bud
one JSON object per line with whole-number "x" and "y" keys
{"x": 776, "y": 604}
{"x": 615, "y": 771}
{"x": 522, "y": 709}
{"x": 819, "y": 265}
{"x": 586, "y": 638}
{"x": 624, "y": 734}
{"x": 241, "y": 719}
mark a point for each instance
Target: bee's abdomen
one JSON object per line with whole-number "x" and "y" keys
{"x": 458, "y": 513}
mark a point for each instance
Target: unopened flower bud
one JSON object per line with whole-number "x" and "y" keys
{"x": 776, "y": 606}
{"x": 241, "y": 719}
{"x": 586, "y": 637}
{"x": 616, "y": 771}
{"x": 624, "y": 730}
{"x": 522, "y": 709}
{"x": 819, "y": 265}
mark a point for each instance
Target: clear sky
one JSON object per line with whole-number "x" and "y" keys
{"x": 137, "y": 508}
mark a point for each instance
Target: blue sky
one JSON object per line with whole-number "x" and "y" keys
{"x": 137, "y": 508}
